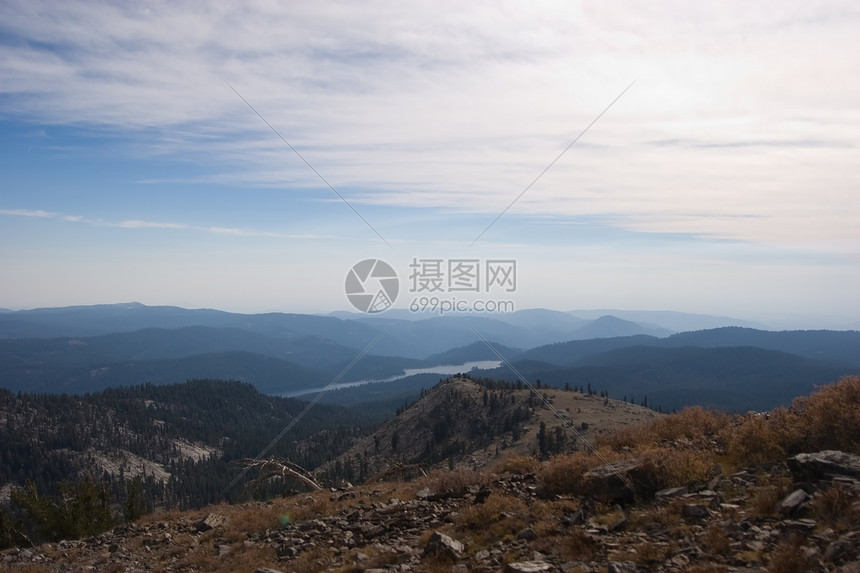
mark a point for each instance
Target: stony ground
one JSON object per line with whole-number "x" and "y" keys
{"x": 779, "y": 518}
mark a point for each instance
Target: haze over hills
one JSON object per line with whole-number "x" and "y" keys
{"x": 734, "y": 379}
{"x": 294, "y": 354}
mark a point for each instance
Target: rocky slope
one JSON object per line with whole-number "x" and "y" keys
{"x": 466, "y": 521}
{"x": 695, "y": 491}
{"x": 463, "y": 421}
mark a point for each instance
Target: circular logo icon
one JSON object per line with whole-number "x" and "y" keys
{"x": 372, "y": 285}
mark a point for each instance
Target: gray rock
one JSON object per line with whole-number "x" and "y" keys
{"x": 843, "y": 548}
{"x": 266, "y": 570}
{"x": 527, "y": 567}
{"x": 574, "y": 518}
{"x": 792, "y": 502}
{"x": 618, "y": 481}
{"x": 623, "y": 567}
{"x": 670, "y": 492}
{"x": 824, "y": 463}
{"x": 805, "y": 526}
{"x": 618, "y": 524}
{"x": 694, "y": 511}
{"x": 441, "y": 546}
{"x": 528, "y": 534}
{"x": 211, "y": 521}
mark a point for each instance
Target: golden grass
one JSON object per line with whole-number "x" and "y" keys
{"x": 519, "y": 465}
{"x": 456, "y": 481}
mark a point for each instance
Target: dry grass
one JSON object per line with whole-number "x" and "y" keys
{"x": 834, "y": 506}
{"x": 827, "y": 419}
{"x": 708, "y": 568}
{"x": 672, "y": 467}
{"x": 519, "y": 465}
{"x": 455, "y": 482}
{"x": 832, "y": 416}
{"x": 789, "y": 557}
{"x": 563, "y": 474}
{"x": 768, "y": 493}
{"x": 578, "y": 546}
{"x": 693, "y": 424}
{"x": 716, "y": 541}
{"x": 500, "y": 516}
{"x": 650, "y": 553}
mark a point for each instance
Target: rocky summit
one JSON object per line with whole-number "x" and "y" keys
{"x": 467, "y": 521}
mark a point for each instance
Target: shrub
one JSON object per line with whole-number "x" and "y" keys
{"x": 669, "y": 467}
{"x": 789, "y": 557}
{"x": 832, "y": 416}
{"x": 455, "y": 482}
{"x": 834, "y": 505}
{"x": 716, "y": 540}
{"x": 754, "y": 441}
{"x": 563, "y": 474}
{"x": 499, "y": 515}
{"x": 694, "y": 423}
{"x": 520, "y": 465}
{"x": 81, "y": 509}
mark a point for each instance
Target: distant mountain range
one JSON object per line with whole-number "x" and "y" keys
{"x": 85, "y": 349}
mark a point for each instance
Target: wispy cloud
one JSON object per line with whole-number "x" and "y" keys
{"x": 139, "y": 224}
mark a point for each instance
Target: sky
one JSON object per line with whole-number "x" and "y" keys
{"x": 690, "y": 156}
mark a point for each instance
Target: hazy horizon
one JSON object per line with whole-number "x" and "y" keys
{"x": 767, "y": 322}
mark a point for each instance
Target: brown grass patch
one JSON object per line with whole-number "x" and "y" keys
{"x": 770, "y": 491}
{"x": 671, "y": 467}
{"x": 834, "y": 505}
{"x": 716, "y": 541}
{"x": 832, "y": 416}
{"x": 578, "y": 546}
{"x": 563, "y": 474}
{"x": 455, "y": 482}
{"x": 499, "y": 516}
{"x": 789, "y": 557}
{"x": 708, "y": 568}
{"x": 518, "y": 465}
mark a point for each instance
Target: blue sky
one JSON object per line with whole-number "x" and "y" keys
{"x": 724, "y": 181}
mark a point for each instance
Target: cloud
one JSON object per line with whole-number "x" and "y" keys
{"x": 140, "y": 224}
{"x": 28, "y": 213}
{"x": 740, "y": 109}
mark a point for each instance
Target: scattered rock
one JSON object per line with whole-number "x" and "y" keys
{"x": 527, "y": 567}
{"x": 790, "y": 503}
{"x": 211, "y": 521}
{"x": 694, "y": 512}
{"x": 528, "y": 534}
{"x": 617, "y": 482}
{"x": 670, "y": 492}
{"x": 842, "y": 549}
{"x": 441, "y": 546}
{"x": 623, "y": 567}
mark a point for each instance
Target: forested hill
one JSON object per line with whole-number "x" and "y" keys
{"x": 180, "y": 439}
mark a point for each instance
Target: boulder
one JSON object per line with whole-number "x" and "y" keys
{"x": 824, "y": 464}
{"x": 211, "y": 521}
{"x": 792, "y": 502}
{"x": 694, "y": 512}
{"x": 618, "y": 481}
{"x": 441, "y": 546}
